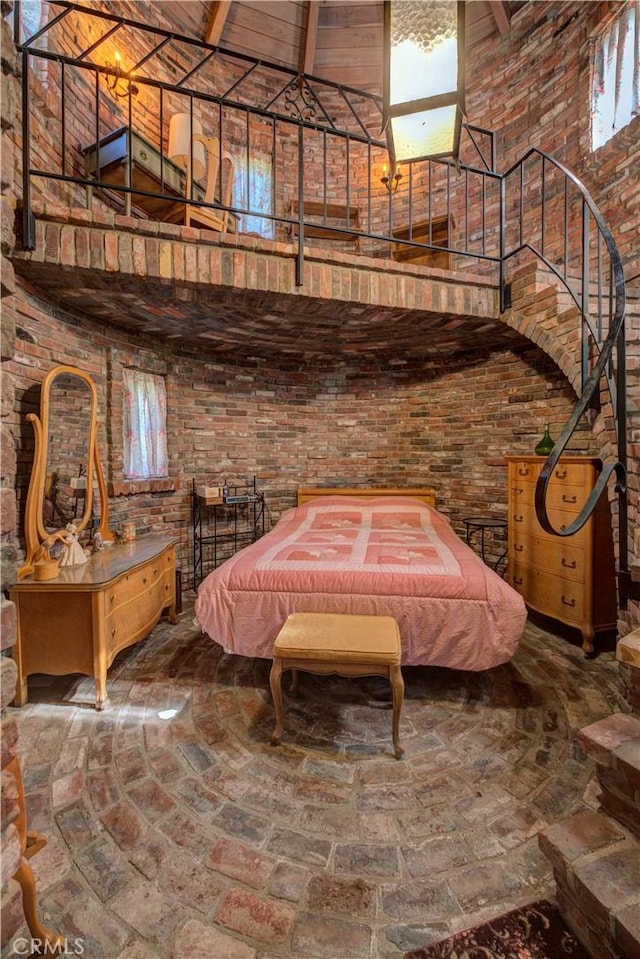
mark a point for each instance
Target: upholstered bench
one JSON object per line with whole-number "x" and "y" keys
{"x": 325, "y": 643}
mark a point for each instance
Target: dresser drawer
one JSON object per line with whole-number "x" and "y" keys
{"x": 524, "y": 520}
{"x": 563, "y": 558}
{"x": 581, "y": 475}
{"x": 565, "y": 496}
{"x": 139, "y": 580}
{"x": 553, "y": 595}
{"x": 131, "y": 620}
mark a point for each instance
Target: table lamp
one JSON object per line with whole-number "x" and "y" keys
{"x": 187, "y": 146}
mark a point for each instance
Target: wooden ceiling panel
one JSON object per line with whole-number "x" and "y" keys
{"x": 348, "y": 33}
{"x": 277, "y": 19}
{"x": 249, "y": 29}
{"x": 366, "y": 38}
{"x": 194, "y": 16}
{"x": 351, "y": 15}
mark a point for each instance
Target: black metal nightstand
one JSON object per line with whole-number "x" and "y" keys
{"x": 481, "y": 524}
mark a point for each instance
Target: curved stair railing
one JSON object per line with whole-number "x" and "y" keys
{"x": 600, "y": 298}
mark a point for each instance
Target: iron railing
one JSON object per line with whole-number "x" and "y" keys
{"x": 327, "y": 136}
{"x": 307, "y": 116}
{"x": 597, "y": 288}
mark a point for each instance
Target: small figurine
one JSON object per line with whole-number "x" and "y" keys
{"x": 98, "y": 541}
{"x": 72, "y": 553}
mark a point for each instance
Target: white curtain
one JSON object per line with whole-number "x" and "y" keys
{"x": 616, "y": 81}
{"x": 253, "y": 190}
{"x": 144, "y": 425}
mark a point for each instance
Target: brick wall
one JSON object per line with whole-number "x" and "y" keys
{"x": 533, "y": 89}
{"x": 441, "y": 421}
{"x": 10, "y": 896}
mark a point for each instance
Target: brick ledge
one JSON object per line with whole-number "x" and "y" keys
{"x": 134, "y": 487}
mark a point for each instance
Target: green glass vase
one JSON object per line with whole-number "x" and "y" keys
{"x": 546, "y": 444}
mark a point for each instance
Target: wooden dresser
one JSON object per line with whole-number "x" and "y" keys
{"x": 570, "y": 579}
{"x": 79, "y": 621}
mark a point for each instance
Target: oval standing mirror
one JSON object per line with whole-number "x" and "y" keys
{"x": 66, "y": 466}
{"x": 67, "y": 492}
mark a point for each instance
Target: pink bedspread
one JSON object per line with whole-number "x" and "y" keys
{"x": 386, "y": 556}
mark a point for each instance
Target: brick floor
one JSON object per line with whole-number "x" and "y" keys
{"x": 177, "y": 830}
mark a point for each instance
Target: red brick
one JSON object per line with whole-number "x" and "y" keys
{"x": 583, "y": 833}
{"x": 600, "y": 739}
{"x": 250, "y": 915}
{"x": 626, "y": 931}
{"x": 233, "y": 859}
{"x": 111, "y": 259}
{"x": 12, "y": 915}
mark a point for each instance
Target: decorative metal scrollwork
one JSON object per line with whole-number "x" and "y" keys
{"x": 299, "y": 101}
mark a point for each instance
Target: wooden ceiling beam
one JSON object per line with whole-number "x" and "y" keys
{"x": 310, "y": 38}
{"x": 217, "y": 20}
{"x": 501, "y": 16}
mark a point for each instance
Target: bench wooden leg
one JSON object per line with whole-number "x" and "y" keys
{"x": 397, "y": 690}
{"x": 275, "y": 681}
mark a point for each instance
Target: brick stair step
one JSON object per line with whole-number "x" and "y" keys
{"x": 596, "y": 865}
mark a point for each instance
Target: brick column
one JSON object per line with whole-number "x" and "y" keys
{"x": 11, "y": 900}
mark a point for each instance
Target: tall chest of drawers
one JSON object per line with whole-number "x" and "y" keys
{"x": 571, "y": 579}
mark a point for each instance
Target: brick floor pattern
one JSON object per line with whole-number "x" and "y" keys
{"x": 176, "y": 829}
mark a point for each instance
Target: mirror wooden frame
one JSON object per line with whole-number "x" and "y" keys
{"x": 37, "y": 537}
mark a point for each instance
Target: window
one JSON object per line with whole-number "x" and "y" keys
{"x": 32, "y": 18}
{"x": 615, "y": 91}
{"x": 252, "y": 190}
{"x": 34, "y": 15}
{"x": 144, "y": 425}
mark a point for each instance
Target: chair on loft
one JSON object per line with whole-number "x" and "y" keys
{"x": 201, "y": 155}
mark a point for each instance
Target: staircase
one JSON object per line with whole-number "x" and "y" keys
{"x": 596, "y": 854}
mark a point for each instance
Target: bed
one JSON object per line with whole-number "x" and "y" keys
{"x": 366, "y": 551}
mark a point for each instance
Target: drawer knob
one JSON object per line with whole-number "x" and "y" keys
{"x": 113, "y": 632}
{"x": 519, "y": 547}
{"x": 561, "y": 474}
{"x": 523, "y": 471}
{"x": 569, "y": 564}
{"x": 144, "y": 580}
{"x": 518, "y": 519}
{"x": 568, "y": 602}
{"x": 517, "y": 580}
{"x": 569, "y": 499}
{"x": 143, "y": 154}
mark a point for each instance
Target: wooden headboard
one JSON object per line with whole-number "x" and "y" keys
{"x": 424, "y": 493}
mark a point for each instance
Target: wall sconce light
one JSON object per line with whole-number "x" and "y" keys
{"x": 119, "y": 83}
{"x": 391, "y": 178}
{"x": 423, "y": 78}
